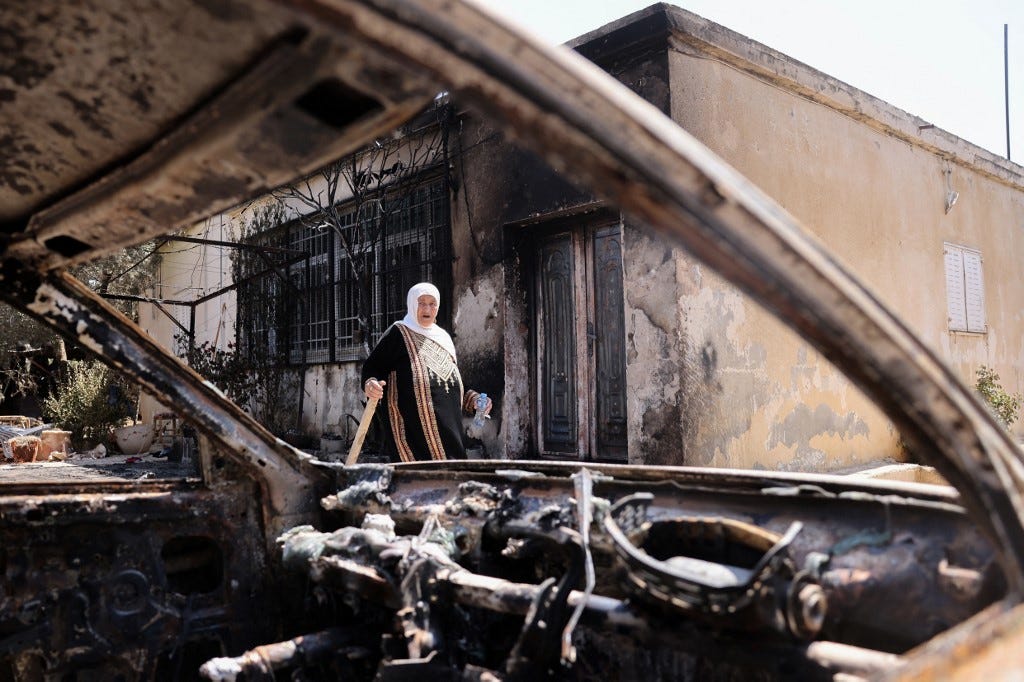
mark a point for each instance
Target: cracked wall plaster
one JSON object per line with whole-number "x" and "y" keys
{"x": 803, "y": 424}
{"x": 655, "y": 339}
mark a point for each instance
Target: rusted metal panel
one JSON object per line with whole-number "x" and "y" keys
{"x": 282, "y": 102}
{"x": 84, "y": 88}
{"x": 609, "y": 344}
{"x": 131, "y": 583}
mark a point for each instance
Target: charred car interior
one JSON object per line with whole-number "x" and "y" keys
{"x": 123, "y": 122}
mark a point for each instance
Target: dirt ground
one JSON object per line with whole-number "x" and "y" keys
{"x": 84, "y": 468}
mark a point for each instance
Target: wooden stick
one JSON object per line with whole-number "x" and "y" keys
{"x": 364, "y": 426}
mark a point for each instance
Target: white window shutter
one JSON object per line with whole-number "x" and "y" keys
{"x": 974, "y": 293}
{"x": 956, "y": 302}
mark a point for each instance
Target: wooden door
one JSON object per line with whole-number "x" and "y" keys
{"x": 607, "y": 345}
{"x": 558, "y": 380}
{"x": 580, "y": 340}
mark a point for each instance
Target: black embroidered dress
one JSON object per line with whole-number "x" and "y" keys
{"x": 423, "y": 399}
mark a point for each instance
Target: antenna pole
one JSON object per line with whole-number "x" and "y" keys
{"x": 1006, "y": 83}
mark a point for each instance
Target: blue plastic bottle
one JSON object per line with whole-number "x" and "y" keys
{"x": 477, "y": 427}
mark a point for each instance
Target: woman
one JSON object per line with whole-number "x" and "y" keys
{"x": 424, "y": 400}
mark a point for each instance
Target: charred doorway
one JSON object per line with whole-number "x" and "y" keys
{"x": 579, "y": 338}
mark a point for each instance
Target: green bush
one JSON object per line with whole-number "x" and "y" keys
{"x": 1004, "y": 406}
{"x": 259, "y": 383}
{"x": 89, "y": 400}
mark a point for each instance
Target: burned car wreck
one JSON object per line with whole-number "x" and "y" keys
{"x": 270, "y": 564}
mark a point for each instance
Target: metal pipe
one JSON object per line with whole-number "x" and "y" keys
{"x": 503, "y": 596}
{"x": 852, "y": 660}
{"x": 261, "y": 662}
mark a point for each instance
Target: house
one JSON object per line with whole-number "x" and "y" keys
{"x": 599, "y": 342}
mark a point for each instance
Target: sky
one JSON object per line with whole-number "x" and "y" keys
{"x": 941, "y": 60}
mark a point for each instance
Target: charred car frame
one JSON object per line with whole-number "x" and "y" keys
{"x": 271, "y": 563}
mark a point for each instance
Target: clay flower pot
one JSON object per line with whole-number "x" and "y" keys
{"x": 24, "y": 448}
{"x": 54, "y": 440}
{"x": 134, "y": 440}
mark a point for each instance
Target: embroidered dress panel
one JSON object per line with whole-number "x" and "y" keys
{"x": 438, "y": 362}
{"x": 424, "y": 399}
{"x": 420, "y": 349}
{"x": 397, "y": 423}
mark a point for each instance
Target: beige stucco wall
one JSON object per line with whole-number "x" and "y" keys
{"x": 187, "y": 272}
{"x": 753, "y": 394}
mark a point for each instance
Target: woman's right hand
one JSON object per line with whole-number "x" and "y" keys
{"x": 374, "y": 389}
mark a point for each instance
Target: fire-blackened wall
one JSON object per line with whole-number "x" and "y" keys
{"x": 713, "y": 379}
{"x": 506, "y": 200}
{"x": 501, "y": 193}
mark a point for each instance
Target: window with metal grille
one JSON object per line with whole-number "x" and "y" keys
{"x": 309, "y": 337}
{"x": 416, "y": 247}
{"x": 262, "y": 302}
{"x": 353, "y": 283}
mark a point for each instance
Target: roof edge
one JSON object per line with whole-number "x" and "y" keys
{"x": 680, "y": 30}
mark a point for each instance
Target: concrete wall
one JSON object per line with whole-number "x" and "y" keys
{"x": 869, "y": 182}
{"x": 187, "y": 272}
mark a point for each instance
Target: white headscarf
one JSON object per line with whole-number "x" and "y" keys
{"x": 433, "y": 332}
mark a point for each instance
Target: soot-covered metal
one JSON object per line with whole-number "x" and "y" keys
{"x": 265, "y": 564}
